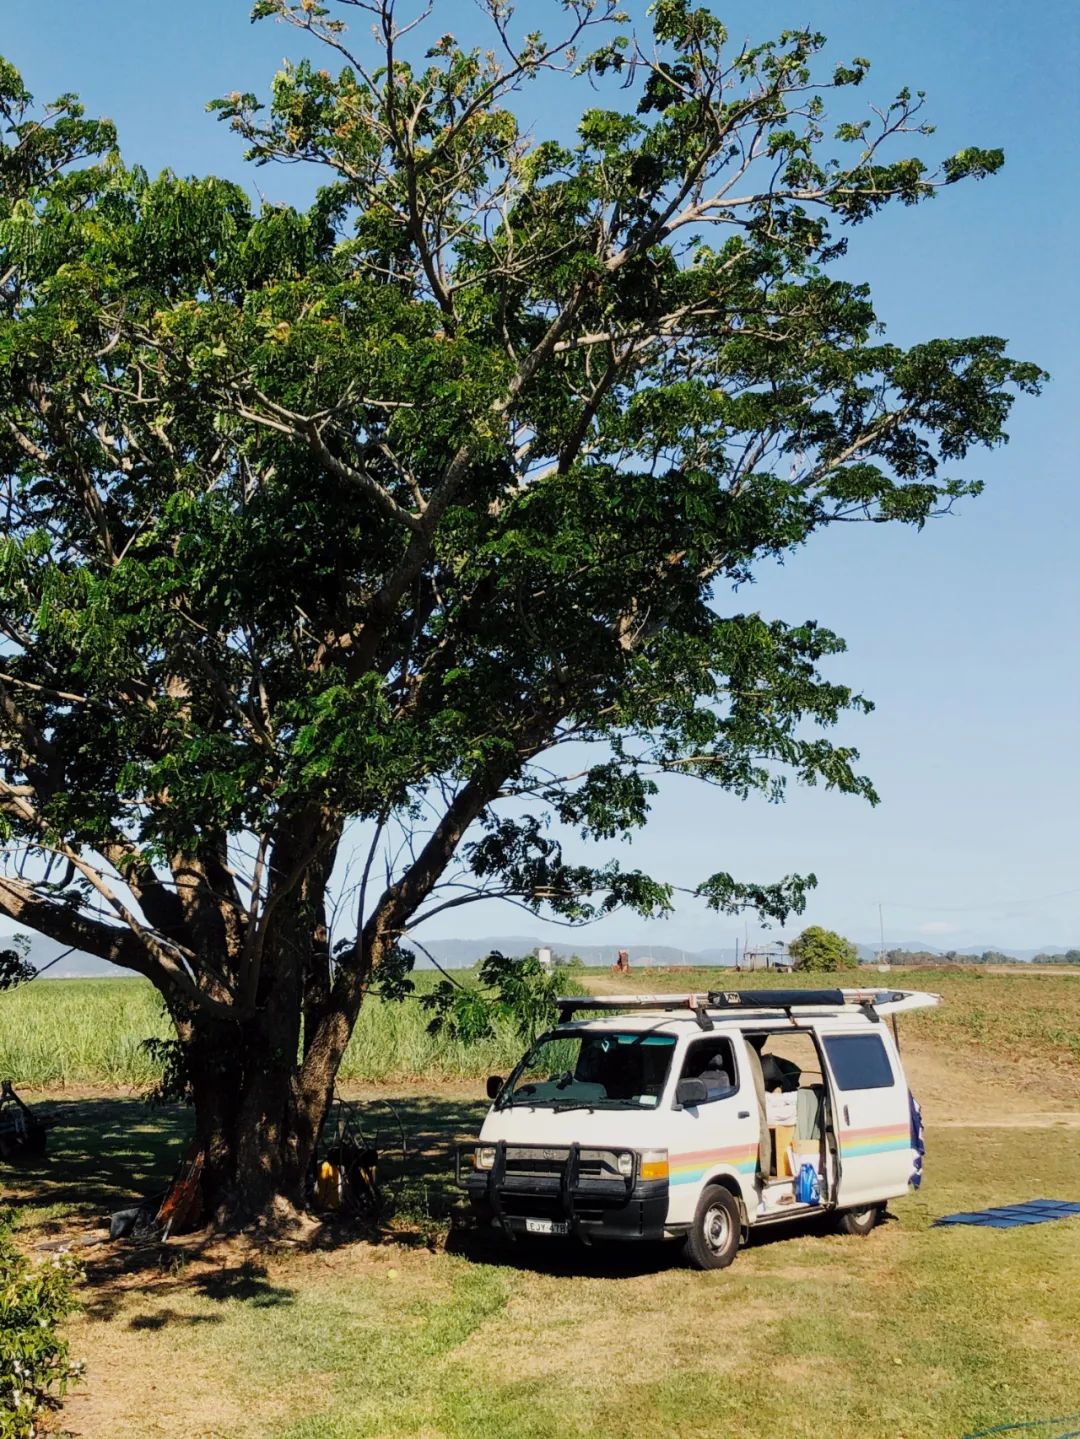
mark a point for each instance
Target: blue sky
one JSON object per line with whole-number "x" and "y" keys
{"x": 965, "y": 635}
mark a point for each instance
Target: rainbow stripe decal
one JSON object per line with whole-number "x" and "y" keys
{"x": 860, "y": 1143}
{"x": 690, "y": 1168}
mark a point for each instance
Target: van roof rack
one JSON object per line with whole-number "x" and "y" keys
{"x": 730, "y": 1001}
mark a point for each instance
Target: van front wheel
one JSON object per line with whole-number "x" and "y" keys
{"x": 858, "y": 1221}
{"x": 713, "y": 1240}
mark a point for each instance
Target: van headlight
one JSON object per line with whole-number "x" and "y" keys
{"x": 654, "y": 1164}
{"x": 625, "y": 1164}
{"x": 484, "y": 1156}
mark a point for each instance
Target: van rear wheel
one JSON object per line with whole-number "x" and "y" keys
{"x": 713, "y": 1240}
{"x": 858, "y": 1221}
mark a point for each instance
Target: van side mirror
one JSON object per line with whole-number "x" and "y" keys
{"x": 494, "y": 1084}
{"x": 689, "y": 1092}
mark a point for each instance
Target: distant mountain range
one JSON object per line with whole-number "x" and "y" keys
{"x": 462, "y": 953}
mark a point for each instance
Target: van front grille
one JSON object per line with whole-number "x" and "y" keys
{"x": 540, "y": 1163}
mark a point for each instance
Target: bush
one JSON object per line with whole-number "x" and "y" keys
{"x": 519, "y": 992}
{"x": 34, "y": 1366}
{"x": 15, "y": 968}
{"x": 821, "y": 950}
{"x": 569, "y": 961}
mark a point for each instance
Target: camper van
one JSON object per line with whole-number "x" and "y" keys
{"x": 700, "y": 1118}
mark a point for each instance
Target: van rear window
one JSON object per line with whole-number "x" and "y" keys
{"x": 859, "y": 1061}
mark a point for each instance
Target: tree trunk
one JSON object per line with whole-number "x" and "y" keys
{"x": 260, "y": 1106}
{"x": 254, "y": 1123}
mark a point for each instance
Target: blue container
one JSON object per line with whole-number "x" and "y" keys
{"x": 807, "y": 1189}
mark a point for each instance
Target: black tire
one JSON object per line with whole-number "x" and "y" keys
{"x": 715, "y": 1234}
{"x": 858, "y": 1221}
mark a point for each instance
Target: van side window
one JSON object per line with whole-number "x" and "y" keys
{"x": 713, "y": 1062}
{"x": 859, "y": 1061}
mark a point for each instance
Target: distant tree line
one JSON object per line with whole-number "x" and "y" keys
{"x": 912, "y": 958}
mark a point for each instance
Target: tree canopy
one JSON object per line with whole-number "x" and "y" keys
{"x": 372, "y": 512}
{"x": 818, "y": 949}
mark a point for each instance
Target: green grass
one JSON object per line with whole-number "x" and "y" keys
{"x": 65, "y": 1033}
{"x": 79, "y": 1031}
{"x": 913, "y": 1333}
{"x": 919, "y": 1332}
{"x": 87, "y": 1032}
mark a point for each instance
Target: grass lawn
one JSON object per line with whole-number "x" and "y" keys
{"x": 913, "y": 1333}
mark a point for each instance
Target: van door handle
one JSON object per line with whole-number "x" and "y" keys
{"x": 847, "y": 1117}
{"x": 744, "y": 1114}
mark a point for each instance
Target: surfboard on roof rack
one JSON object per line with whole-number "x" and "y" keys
{"x": 883, "y": 1001}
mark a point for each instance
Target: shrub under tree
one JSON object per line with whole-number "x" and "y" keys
{"x": 35, "y": 1368}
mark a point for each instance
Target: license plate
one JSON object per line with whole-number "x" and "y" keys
{"x": 546, "y": 1226}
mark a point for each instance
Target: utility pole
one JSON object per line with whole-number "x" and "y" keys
{"x": 881, "y": 930}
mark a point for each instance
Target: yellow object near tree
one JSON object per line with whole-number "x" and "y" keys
{"x": 328, "y": 1186}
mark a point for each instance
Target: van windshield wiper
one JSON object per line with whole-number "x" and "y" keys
{"x": 556, "y": 1106}
{"x": 563, "y": 1106}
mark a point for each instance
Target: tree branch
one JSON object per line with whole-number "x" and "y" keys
{"x": 20, "y": 902}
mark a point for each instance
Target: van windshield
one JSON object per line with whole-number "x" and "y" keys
{"x": 580, "y": 1070}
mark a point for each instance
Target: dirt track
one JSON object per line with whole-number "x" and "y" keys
{"x": 1063, "y": 1120}
{"x": 972, "y": 1093}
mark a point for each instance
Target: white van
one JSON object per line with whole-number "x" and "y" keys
{"x": 701, "y": 1117}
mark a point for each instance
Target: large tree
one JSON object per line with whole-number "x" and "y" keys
{"x": 351, "y": 522}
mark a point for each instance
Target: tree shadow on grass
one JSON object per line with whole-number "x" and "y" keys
{"x": 246, "y": 1283}
{"x": 104, "y": 1154}
{"x": 151, "y": 1323}
{"x": 112, "y": 1153}
{"x": 565, "y": 1258}
{"x": 613, "y": 1259}
{"x": 206, "y": 1273}
{"x": 202, "y": 1266}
